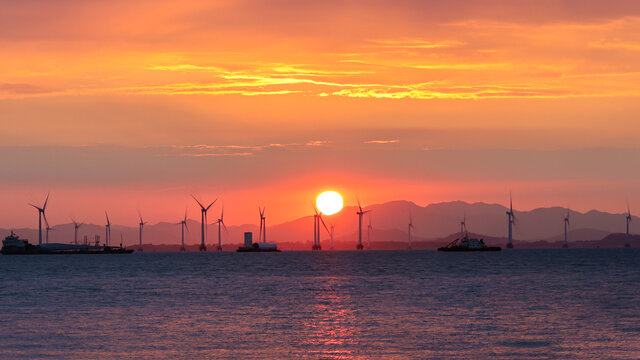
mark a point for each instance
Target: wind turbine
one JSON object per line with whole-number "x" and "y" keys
{"x": 204, "y": 222}
{"x": 410, "y": 227}
{"x": 107, "y": 230}
{"x": 40, "y": 216}
{"x": 183, "y": 225}
{"x": 221, "y": 222}
{"x": 263, "y": 225}
{"x": 566, "y": 226}
{"x": 316, "y": 230}
{"x": 628, "y": 241}
{"x": 317, "y": 219}
{"x": 463, "y": 227}
{"x": 46, "y": 223}
{"x": 360, "y": 212}
{"x": 512, "y": 220}
{"x": 369, "y": 230}
{"x": 331, "y": 237}
{"x": 142, "y": 224}
{"x": 76, "y": 226}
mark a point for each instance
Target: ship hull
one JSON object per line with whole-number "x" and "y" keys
{"x": 36, "y": 250}
{"x": 253, "y": 249}
{"x": 463, "y": 249}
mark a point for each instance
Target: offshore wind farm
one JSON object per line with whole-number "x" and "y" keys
{"x": 599, "y": 231}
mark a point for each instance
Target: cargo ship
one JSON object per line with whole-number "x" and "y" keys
{"x": 468, "y": 244}
{"x": 13, "y": 245}
{"x": 250, "y": 246}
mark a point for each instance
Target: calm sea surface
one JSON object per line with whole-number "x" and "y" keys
{"x": 521, "y": 304}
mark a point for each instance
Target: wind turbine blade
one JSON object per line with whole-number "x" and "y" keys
{"x": 225, "y": 228}
{"x": 359, "y": 206}
{"x": 45, "y": 202}
{"x": 185, "y": 215}
{"x": 222, "y": 213}
{"x": 194, "y": 198}
{"x": 210, "y": 205}
{"x": 510, "y": 203}
{"x": 325, "y": 225}
{"x": 35, "y": 206}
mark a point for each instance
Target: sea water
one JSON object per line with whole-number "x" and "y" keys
{"x": 514, "y": 304}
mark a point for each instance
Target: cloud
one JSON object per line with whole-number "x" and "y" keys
{"x": 205, "y": 150}
{"x": 382, "y": 141}
{"x": 623, "y": 45}
{"x": 211, "y": 147}
{"x": 22, "y": 89}
{"x": 218, "y": 154}
{"x": 471, "y": 53}
{"x": 318, "y": 143}
{"x": 412, "y": 44}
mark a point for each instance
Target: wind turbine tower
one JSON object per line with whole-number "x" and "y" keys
{"x": 628, "y": 238}
{"x": 566, "y": 227}
{"x": 316, "y": 230}
{"x": 369, "y": 230}
{"x": 40, "y": 216}
{"x": 46, "y": 223}
{"x": 512, "y": 220}
{"x": 360, "y": 213}
{"x": 76, "y": 226}
{"x": 142, "y": 224}
{"x": 463, "y": 227}
{"x": 263, "y": 226}
{"x": 317, "y": 219}
{"x": 410, "y": 227}
{"x": 221, "y": 222}
{"x": 331, "y": 237}
{"x": 107, "y": 231}
{"x": 183, "y": 224}
{"x": 204, "y": 222}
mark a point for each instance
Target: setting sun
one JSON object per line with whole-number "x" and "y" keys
{"x": 329, "y": 202}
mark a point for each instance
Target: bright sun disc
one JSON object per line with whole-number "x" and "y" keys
{"x": 329, "y": 202}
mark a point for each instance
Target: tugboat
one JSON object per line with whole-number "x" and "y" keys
{"x": 13, "y": 245}
{"x": 468, "y": 244}
{"x": 465, "y": 243}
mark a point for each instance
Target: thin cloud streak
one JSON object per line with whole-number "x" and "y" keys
{"x": 217, "y": 154}
{"x": 382, "y": 141}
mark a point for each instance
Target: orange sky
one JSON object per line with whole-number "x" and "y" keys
{"x": 140, "y": 103}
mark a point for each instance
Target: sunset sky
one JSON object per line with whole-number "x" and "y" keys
{"x": 132, "y": 106}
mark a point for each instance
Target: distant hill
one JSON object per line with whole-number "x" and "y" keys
{"x": 435, "y": 225}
